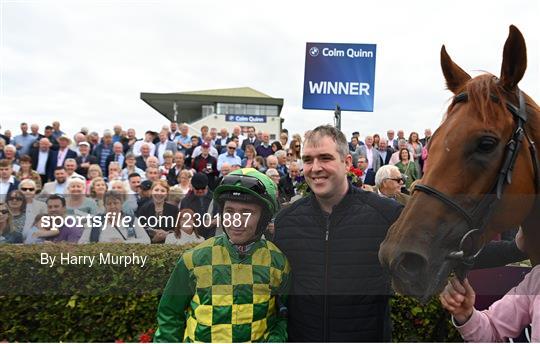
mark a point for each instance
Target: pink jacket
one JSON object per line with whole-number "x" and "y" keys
{"x": 507, "y": 317}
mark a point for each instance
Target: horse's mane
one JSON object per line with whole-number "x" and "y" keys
{"x": 479, "y": 91}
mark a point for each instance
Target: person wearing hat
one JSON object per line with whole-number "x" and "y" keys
{"x": 207, "y": 164}
{"x": 64, "y": 152}
{"x": 199, "y": 199}
{"x": 85, "y": 159}
{"x": 230, "y": 288}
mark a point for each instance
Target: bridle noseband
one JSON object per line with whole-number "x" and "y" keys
{"x": 479, "y": 217}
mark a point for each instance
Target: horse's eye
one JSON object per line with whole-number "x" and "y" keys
{"x": 487, "y": 144}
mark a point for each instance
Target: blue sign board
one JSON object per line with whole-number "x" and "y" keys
{"x": 339, "y": 74}
{"x": 245, "y": 118}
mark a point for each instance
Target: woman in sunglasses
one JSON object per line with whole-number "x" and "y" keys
{"x": 33, "y": 205}
{"x": 230, "y": 288}
{"x": 12, "y": 218}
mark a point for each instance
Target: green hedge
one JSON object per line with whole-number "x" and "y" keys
{"x": 106, "y": 303}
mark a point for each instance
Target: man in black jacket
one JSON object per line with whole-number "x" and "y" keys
{"x": 339, "y": 292}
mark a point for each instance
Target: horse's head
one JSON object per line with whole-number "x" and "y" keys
{"x": 466, "y": 155}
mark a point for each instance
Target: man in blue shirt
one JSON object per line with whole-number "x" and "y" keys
{"x": 229, "y": 156}
{"x": 24, "y": 142}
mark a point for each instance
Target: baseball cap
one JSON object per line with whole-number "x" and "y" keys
{"x": 199, "y": 181}
{"x": 205, "y": 145}
{"x": 146, "y": 185}
{"x": 84, "y": 143}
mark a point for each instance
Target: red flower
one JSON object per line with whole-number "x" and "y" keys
{"x": 145, "y": 338}
{"x": 356, "y": 171}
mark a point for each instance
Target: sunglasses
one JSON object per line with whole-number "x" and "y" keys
{"x": 27, "y": 189}
{"x": 297, "y": 146}
{"x": 4, "y": 211}
{"x": 231, "y": 148}
{"x": 248, "y": 182}
{"x": 399, "y": 180}
{"x": 15, "y": 199}
{"x": 289, "y": 154}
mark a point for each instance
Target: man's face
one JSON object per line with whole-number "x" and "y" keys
{"x": 225, "y": 170}
{"x": 400, "y": 134}
{"x": 224, "y": 133}
{"x": 5, "y": 172}
{"x": 324, "y": 169}
{"x": 204, "y": 131}
{"x": 107, "y": 139}
{"x": 244, "y": 231}
{"x": 383, "y": 145}
{"x": 179, "y": 159}
{"x": 369, "y": 141}
{"x": 118, "y": 149}
{"x": 84, "y": 150}
{"x": 294, "y": 172}
{"x": 117, "y": 129}
{"x": 427, "y": 132}
{"x": 174, "y": 127}
{"x": 134, "y": 183}
{"x": 390, "y": 134}
{"x": 145, "y": 150}
{"x": 56, "y": 125}
{"x": 204, "y": 151}
{"x": 60, "y": 176}
{"x": 231, "y": 148}
{"x": 200, "y": 192}
{"x": 24, "y": 128}
{"x": 237, "y": 131}
{"x": 163, "y": 136}
{"x": 55, "y": 207}
{"x": 213, "y": 133}
{"x": 70, "y": 166}
{"x": 63, "y": 143}
{"x": 282, "y": 160}
{"x": 35, "y": 129}
{"x": 251, "y": 132}
{"x": 152, "y": 174}
{"x": 184, "y": 130}
{"x": 392, "y": 186}
{"x": 48, "y": 132}
{"x": 354, "y": 141}
{"x": 131, "y": 133}
{"x": 362, "y": 164}
{"x": 265, "y": 138}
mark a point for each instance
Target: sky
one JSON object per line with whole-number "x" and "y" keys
{"x": 85, "y": 63}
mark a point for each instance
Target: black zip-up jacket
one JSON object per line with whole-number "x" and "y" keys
{"x": 339, "y": 290}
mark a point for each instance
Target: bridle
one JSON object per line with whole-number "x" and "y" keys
{"x": 478, "y": 218}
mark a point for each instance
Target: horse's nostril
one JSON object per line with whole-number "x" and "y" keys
{"x": 409, "y": 266}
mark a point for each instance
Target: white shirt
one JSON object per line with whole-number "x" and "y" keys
{"x": 161, "y": 150}
{"x": 61, "y": 157}
{"x": 42, "y": 162}
{"x": 184, "y": 239}
{"x": 60, "y": 188}
{"x": 137, "y": 147}
{"x": 4, "y": 187}
{"x": 369, "y": 153}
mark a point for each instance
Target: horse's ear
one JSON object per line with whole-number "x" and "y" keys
{"x": 454, "y": 75}
{"x": 514, "y": 59}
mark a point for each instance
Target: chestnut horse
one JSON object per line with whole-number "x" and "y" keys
{"x": 482, "y": 178}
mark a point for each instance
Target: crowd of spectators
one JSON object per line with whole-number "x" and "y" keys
{"x": 167, "y": 173}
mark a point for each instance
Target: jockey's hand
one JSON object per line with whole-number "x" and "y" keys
{"x": 458, "y": 298}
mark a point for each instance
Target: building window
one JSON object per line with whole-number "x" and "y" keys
{"x": 207, "y": 110}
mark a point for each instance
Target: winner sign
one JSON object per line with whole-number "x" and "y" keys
{"x": 339, "y": 74}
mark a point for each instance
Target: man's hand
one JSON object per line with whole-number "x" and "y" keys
{"x": 458, "y": 299}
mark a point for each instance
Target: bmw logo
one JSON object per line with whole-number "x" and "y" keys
{"x": 314, "y": 51}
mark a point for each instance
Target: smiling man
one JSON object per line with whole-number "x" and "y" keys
{"x": 339, "y": 292}
{"x": 230, "y": 288}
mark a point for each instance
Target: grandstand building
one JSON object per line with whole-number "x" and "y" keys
{"x": 220, "y": 108}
